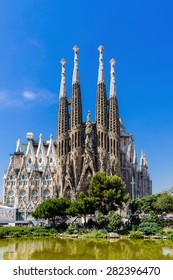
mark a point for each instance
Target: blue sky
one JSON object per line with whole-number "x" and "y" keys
{"x": 36, "y": 34}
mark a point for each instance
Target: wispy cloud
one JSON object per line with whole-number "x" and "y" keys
{"x": 8, "y": 99}
{"x": 42, "y": 96}
{"x": 27, "y": 97}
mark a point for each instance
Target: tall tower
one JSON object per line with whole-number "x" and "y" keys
{"x": 62, "y": 137}
{"x": 114, "y": 126}
{"x": 101, "y": 116}
{"x": 76, "y": 127}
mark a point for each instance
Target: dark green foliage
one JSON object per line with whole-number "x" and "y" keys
{"x": 145, "y": 204}
{"x": 164, "y": 203}
{"x": 111, "y": 222}
{"x": 115, "y": 222}
{"x": 90, "y": 224}
{"x": 22, "y": 231}
{"x": 82, "y": 206}
{"x": 134, "y": 221}
{"x": 108, "y": 192}
{"x": 51, "y": 208}
{"x": 73, "y": 229}
{"x": 101, "y": 221}
{"x": 149, "y": 228}
{"x": 153, "y": 218}
{"x": 158, "y": 203}
{"x": 2, "y": 232}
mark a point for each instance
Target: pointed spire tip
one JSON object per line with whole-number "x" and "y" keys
{"x": 112, "y": 61}
{"x": 76, "y": 48}
{"x": 75, "y": 78}
{"x": 63, "y": 61}
{"x": 100, "y": 48}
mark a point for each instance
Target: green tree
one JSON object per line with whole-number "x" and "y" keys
{"x": 108, "y": 192}
{"x": 101, "y": 221}
{"x": 51, "y": 208}
{"x": 115, "y": 222}
{"x": 135, "y": 206}
{"x": 145, "y": 204}
{"x": 164, "y": 203}
{"x": 82, "y": 206}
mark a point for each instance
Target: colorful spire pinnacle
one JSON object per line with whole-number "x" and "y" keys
{"x": 101, "y": 69}
{"x": 112, "y": 82}
{"x": 75, "y": 78}
{"x": 63, "y": 79}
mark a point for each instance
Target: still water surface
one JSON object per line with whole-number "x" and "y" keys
{"x": 53, "y": 248}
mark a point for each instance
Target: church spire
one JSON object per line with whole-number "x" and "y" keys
{"x": 134, "y": 156}
{"x": 75, "y": 78}
{"x": 143, "y": 160}
{"x": 76, "y": 102}
{"x": 101, "y": 106}
{"x": 101, "y": 68}
{"x": 112, "y": 82}
{"x": 113, "y": 102}
{"x": 63, "y": 79}
{"x": 63, "y": 103}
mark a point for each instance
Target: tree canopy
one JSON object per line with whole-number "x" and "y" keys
{"x": 51, "y": 208}
{"x": 82, "y": 206}
{"x": 164, "y": 203}
{"x": 161, "y": 202}
{"x": 108, "y": 192}
{"x": 145, "y": 204}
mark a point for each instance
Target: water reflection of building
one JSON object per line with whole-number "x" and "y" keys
{"x": 42, "y": 169}
{"x": 167, "y": 251}
{"x": 9, "y": 249}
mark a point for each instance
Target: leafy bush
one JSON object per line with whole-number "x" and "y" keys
{"x": 136, "y": 235}
{"x": 152, "y": 218}
{"x": 42, "y": 231}
{"x": 53, "y": 231}
{"x": 115, "y": 222}
{"x": 73, "y": 229}
{"x": 97, "y": 234}
{"x": 2, "y": 233}
{"x": 20, "y": 231}
{"x": 149, "y": 228}
{"x": 170, "y": 235}
{"x": 101, "y": 220}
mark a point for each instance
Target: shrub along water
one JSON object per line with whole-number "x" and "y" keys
{"x": 22, "y": 231}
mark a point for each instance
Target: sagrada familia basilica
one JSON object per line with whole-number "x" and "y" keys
{"x": 64, "y": 167}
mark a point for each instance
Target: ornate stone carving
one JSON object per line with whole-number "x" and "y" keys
{"x": 7, "y": 214}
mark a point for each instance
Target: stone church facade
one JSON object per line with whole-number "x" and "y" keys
{"x": 42, "y": 169}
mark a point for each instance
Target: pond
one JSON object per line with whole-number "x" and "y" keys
{"x": 55, "y": 248}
